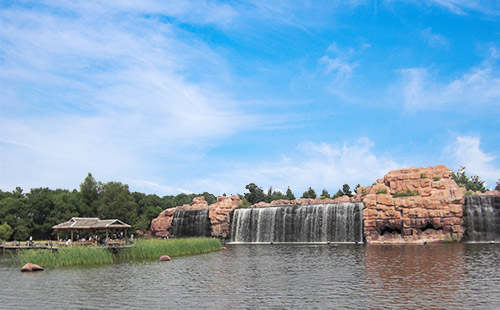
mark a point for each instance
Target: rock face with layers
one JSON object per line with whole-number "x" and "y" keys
{"x": 413, "y": 205}
{"x": 219, "y": 214}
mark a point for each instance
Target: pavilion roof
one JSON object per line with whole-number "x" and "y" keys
{"x": 91, "y": 223}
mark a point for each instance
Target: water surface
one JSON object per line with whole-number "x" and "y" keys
{"x": 447, "y": 276}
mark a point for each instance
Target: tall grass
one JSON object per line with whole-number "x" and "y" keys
{"x": 154, "y": 248}
{"x": 142, "y": 249}
{"x": 77, "y": 255}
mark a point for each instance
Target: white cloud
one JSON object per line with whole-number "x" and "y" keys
{"x": 434, "y": 39}
{"x": 466, "y": 152}
{"x": 108, "y": 90}
{"x": 319, "y": 165}
{"x": 419, "y": 88}
{"x": 461, "y": 7}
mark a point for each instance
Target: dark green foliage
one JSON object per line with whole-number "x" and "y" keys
{"x": 473, "y": 183}
{"x": 382, "y": 191}
{"x": 423, "y": 176}
{"x": 289, "y": 194}
{"x": 498, "y": 185}
{"x": 5, "y": 231}
{"x": 324, "y": 194}
{"x": 34, "y": 213}
{"x": 406, "y": 193}
{"x": 89, "y": 197}
{"x": 244, "y": 202}
{"x": 338, "y": 194}
{"x": 436, "y": 179}
{"x": 255, "y": 195}
{"x": 346, "y": 190}
{"x": 310, "y": 193}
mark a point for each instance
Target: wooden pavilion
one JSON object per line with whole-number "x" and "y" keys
{"x": 93, "y": 225}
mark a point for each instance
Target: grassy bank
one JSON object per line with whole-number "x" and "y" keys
{"x": 77, "y": 255}
{"x": 142, "y": 249}
{"x": 154, "y": 248}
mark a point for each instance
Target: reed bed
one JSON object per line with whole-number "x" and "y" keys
{"x": 142, "y": 249}
{"x": 154, "y": 248}
{"x": 77, "y": 255}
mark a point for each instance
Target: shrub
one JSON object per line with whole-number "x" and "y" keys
{"x": 423, "y": 176}
{"x": 407, "y": 193}
{"x": 382, "y": 191}
{"x": 436, "y": 179}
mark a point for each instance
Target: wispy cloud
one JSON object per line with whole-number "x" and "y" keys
{"x": 338, "y": 66}
{"x": 434, "y": 39}
{"x": 313, "y": 164}
{"x": 420, "y": 88}
{"x": 88, "y": 90}
{"x": 462, "y": 7}
{"x": 466, "y": 151}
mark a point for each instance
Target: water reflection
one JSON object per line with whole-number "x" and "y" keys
{"x": 419, "y": 275}
{"x": 464, "y": 276}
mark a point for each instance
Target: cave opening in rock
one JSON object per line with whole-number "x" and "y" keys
{"x": 390, "y": 230}
{"x": 430, "y": 226}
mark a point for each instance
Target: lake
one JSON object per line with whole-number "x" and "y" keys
{"x": 444, "y": 276}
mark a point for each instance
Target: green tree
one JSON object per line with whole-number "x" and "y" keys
{"x": 15, "y": 211}
{"x": 346, "y": 190}
{"x": 116, "y": 202}
{"x": 255, "y": 195}
{"x": 5, "y": 231}
{"x": 89, "y": 190}
{"x": 324, "y": 194}
{"x": 498, "y": 185}
{"x": 338, "y": 194}
{"x": 310, "y": 193}
{"x": 289, "y": 194}
{"x": 269, "y": 196}
{"x": 473, "y": 183}
{"x": 40, "y": 204}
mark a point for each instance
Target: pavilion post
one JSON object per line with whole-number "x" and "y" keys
{"x": 58, "y": 236}
{"x": 126, "y": 237}
{"x": 71, "y": 243}
{"x": 107, "y": 238}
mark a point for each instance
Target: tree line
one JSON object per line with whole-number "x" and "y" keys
{"x": 34, "y": 213}
{"x": 256, "y": 194}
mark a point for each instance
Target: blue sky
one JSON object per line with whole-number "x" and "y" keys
{"x": 193, "y": 96}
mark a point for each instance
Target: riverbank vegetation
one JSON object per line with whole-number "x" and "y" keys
{"x": 142, "y": 249}
{"x": 154, "y": 248}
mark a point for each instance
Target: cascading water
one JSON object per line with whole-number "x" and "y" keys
{"x": 482, "y": 218}
{"x": 191, "y": 223}
{"x": 338, "y": 222}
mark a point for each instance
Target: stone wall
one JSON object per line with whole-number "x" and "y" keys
{"x": 434, "y": 213}
{"x": 219, "y": 214}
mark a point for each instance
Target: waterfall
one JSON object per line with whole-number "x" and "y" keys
{"x": 482, "y": 218}
{"x": 191, "y": 223}
{"x": 338, "y": 222}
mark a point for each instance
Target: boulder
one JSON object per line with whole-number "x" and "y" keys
{"x": 165, "y": 258}
{"x": 31, "y": 267}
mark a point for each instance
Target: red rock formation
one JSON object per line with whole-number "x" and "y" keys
{"x": 219, "y": 214}
{"x": 434, "y": 213}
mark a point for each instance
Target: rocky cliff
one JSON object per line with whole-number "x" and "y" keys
{"x": 413, "y": 205}
{"x": 219, "y": 214}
